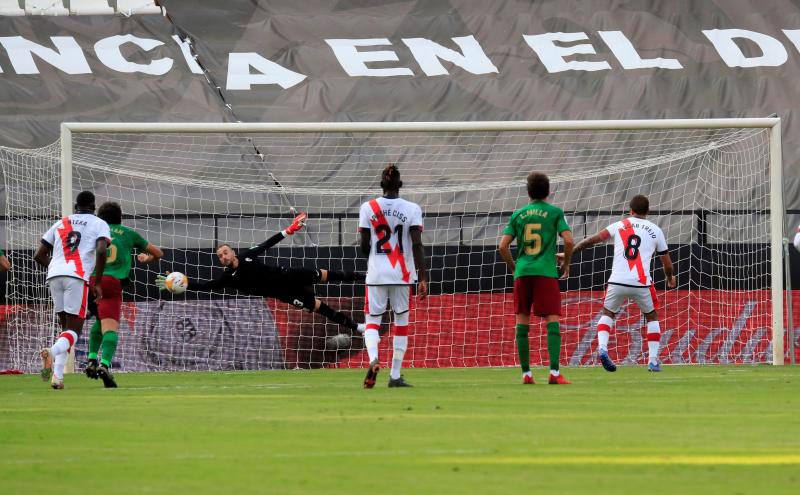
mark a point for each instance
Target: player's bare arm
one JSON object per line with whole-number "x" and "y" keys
{"x": 599, "y": 237}
{"x": 42, "y": 255}
{"x": 669, "y": 271}
{"x": 505, "y": 251}
{"x": 418, "y": 250}
{"x": 101, "y": 250}
{"x": 365, "y": 242}
{"x": 566, "y": 256}
{"x": 151, "y": 254}
{"x": 5, "y": 265}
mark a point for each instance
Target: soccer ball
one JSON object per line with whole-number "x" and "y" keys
{"x": 339, "y": 341}
{"x": 176, "y": 282}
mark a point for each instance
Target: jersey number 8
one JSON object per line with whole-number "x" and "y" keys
{"x": 632, "y": 247}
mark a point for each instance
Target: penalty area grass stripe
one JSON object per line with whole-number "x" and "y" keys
{"x": 664, "y": 460}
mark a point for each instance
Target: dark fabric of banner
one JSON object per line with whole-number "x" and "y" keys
{"x": 232, "y": 334}
{"x": 293, "y": 35}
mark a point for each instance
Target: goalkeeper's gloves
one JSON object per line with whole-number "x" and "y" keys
{"x": 161, "y": 281}
{"x": 298, "y": 223}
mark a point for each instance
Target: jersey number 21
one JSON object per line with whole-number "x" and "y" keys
{"x": 384, "y": 233}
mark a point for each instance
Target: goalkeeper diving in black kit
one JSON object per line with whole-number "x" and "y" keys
{"x": 291, "y": 285}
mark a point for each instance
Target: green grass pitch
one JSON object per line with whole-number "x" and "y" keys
{"x": 687, "y": 430}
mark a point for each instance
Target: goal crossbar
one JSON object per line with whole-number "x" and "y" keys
{"x": 477, "y": 126}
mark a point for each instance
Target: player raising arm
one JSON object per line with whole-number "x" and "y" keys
{"x": 107, "y": 311}
{"x": 71, "y": 249}
{"x": 388, "y": 225}
{"x": 635, "y": 240}
{"x": 536, "y": 228}
{"x": 245, "y": 273}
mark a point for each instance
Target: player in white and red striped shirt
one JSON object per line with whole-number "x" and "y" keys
{"x": 71, "y": 249}
{"x": 389, "y": 226}
{"x": 797, "y": 239}
{"x": 635, "y": 239}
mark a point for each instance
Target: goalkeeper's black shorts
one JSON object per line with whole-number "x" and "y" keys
{"x": 300, "y": 297}
{"x": 294, "y": 287}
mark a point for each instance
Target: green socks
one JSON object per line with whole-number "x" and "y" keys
{"x": 95, "y": 338}
{"x": 523, "y": 347}
{"x": 107, "y": 340}
{"x": 109, "y": 347}
{"x": 553, "y": 344}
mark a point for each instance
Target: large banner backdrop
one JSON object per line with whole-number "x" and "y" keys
{"x": 405, "y": 61}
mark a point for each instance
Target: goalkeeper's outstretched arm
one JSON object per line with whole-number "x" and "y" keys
{"x": 211, "y": 285}
{"x": 257, "y": 250}
{"x": 298, "y": 223}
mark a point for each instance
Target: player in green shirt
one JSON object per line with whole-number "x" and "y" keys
{"x": 5, "y": 265}
{"x": 124, "y": 241}
{"x": 536, "y": 269}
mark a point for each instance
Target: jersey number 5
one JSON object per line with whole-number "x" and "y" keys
{"x": 384, "y": 233}
{"x": 112, "y": 254}
{"x": 533, "y": 240}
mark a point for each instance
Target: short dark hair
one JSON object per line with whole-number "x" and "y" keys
{"x": 85, "y": 200}
{"x": 111, "y": 212}
{"x": 640, "y": 205}
{"x": 390, "y": 178}
{"x": 222, "y": 245}
{"x": 538, "y": 185}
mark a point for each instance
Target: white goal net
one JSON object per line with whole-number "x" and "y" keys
{"x": 186, "y": 189}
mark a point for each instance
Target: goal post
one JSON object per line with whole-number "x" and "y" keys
{"x": 714, "y": 185}
{"x": 66, "y": 202}
{"x": 777, "y": 211}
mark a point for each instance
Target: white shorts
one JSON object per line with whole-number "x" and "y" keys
{"x": 70, "y": 295}
{"x": 380, "y": 296}
{"x": 617, "y": 295}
